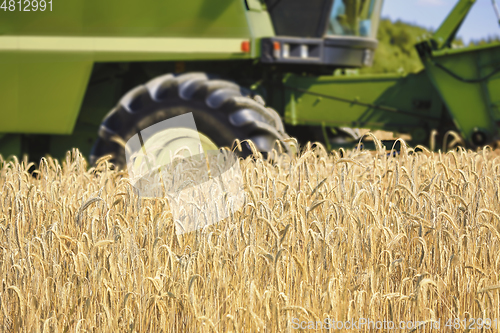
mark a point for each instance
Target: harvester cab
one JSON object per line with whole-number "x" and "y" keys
{"x": 340, "y": 33}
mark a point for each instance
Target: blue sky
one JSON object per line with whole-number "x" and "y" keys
{"x": 480, "y": 23}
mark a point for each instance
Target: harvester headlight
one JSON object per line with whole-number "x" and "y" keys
{"x": 286, "y": 50}
{"x": 303, "y": 51}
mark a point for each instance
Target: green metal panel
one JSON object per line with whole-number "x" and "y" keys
{"x": 145, "y": 18}
{"x": 468, "y": 81}
{"x": 128, "y": 48}
{"x": 46, "y": 57}
{"x": 390, "y": 102}
{"x": 115, "y": 30}
{"x": 41, "y": 92}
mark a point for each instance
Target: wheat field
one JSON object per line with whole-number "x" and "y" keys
{"x": 341, "y": 235}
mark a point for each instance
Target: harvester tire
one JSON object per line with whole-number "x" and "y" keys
{"x": 222, "y": 110}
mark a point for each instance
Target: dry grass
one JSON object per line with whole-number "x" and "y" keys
{"x": 412, "y": 237}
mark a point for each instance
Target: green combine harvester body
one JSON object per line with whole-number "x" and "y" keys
{"x": 64, "y": 67}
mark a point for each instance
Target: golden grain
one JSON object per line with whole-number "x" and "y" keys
{"x": 345, "y": 236}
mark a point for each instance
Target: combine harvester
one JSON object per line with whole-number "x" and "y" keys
{"x": 64, "y": 65}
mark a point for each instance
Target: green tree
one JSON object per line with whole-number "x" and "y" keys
{"x": 483, "y": 41}
{"x": 396, "y": 49}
